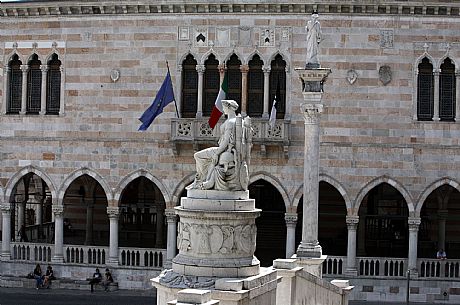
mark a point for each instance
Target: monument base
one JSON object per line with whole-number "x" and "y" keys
{"x": 312, "y": 265}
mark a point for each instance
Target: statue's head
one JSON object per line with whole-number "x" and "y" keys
{"x": 314, "y": 15}
{"x": 226, "y": 160}
{"x": 230, "y": 104}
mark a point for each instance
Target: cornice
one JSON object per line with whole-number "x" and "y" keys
{"x": 124, "y": 7}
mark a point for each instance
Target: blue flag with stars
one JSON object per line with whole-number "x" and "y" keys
{"x": 163, "y": 98}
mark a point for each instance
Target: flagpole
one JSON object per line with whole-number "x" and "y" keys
{"x": 175, "y": 103}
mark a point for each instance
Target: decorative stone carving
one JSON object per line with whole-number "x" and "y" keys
{"x": 58, "y": 210}
{"x": 244, "y": 36}
{"x": 386, "y": 39}
{"x": 313, "y": 29}
{"x": 183, "y": 238}
{"x": 113, "y": 212}
{"x": 267, "y": 37}
{"x": 170, "y": 215}
{"x": 285, "y": 34}
{"x": 184, "y": 33}
{"x": 222, "y": 37}
{"x": 352, "y": 76}
{"x": 201, "y": 37}
{"x": 385, "y": 75}
{"x": 6, "y": 208}
{"x": 311, "y": 112}
{"x": 184, "y": 129}
{"x": 352, "y": 222}
{"x": 114, "y": 75}
{"x": 175, "y": 280}
{"x": 225, "y": 167}
{"x": 290, "y": 219}
{"x": 414, "y": 223}
{"x": 275, "y": 132}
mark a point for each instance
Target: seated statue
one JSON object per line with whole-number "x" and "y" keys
{"x": 225, "y": 167}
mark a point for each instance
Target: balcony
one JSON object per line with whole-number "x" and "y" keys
{"x": 197, "y": 131}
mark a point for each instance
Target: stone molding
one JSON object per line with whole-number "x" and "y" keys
{"x": 311, "y": 113}
{"x": 113, "y": 212}
{"x": 129, "y": 7}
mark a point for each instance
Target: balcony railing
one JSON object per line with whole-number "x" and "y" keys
{"x": 196, "y": 131}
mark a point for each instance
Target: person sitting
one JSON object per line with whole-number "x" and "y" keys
{"x": 38, "y": 276}
{"x": 49, "y": 276}
{"x": 441, "y": 254}
{"x": 96, "y": 279}
{"x": 107, "y": 279}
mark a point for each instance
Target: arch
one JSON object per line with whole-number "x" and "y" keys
{"x": 24, "y": 171}
{"x": 136, "y": 174}
{"x": 179, "y": 189}
{"x": 285, "y": 58}
{"x": 184, "y": 56}
{"x": 275, "y": 182}
{"x": 2, "y": 194}
{"x": 427, "y": 56}
{"x": 9, "y": 57}
{"x": 443, "y": 58}
{"x": 339, "y": 188}
{"x": 39, "y": 57}
{"x": 433, "y": 186}
{"x": 379, "y": 180}
{"x": 50, "y": 56}
{"x": 256, "y": 52}
{"x": 297, "y": 195}
{"x": 206, "y": 56}
{"x": 80, "y": 172}
{"x": 239, "y": 55}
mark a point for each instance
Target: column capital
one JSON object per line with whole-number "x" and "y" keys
{"x": 221, "y": 68}
{"x": 170, "y": 215}
{"x": 6, "y": 69}
{"x": 436, "y": 72}
{"x": 290, "y": 218}
{"x": 44, "y": 68}
{"x": 352, "y": 222}
{"x": 266, "y": 70}
{"x": 414, "y": 223}
{"x": 24, "y": 68}
{"x": 311, "y": 112}
{"x": 113, "y": 212}
{"x": 6, "y": 208}
{"x": 442, "y": 214}
{"x": 244, "y": 69}
{"x": 58, "y": 210}
{"x": 200, "y": 68}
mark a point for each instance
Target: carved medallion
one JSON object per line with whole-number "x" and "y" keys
{"x": 114, "y": 75}
{"x": 352, "y": 76}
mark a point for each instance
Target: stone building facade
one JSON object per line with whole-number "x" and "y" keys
{"x": 389, "y": 141}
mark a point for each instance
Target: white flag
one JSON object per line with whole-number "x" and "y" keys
{"x": 272, "y": 119}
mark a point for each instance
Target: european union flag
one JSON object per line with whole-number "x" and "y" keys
{"x": 163, "y": 98}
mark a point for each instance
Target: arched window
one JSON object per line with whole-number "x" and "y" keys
{"x": 53, "y": 85}
{"x": 447, "y": 91}
{"x": 234, "y": 79}
{"x": 34, "y": 85}
{"x": 255, "y": 87}
{"x": 189, "y": 87}
{"x": 425, "y": 93}
{"x": 14, "y": 86}
{"x": 278, "y": 78}
{"x": 211, "y": 84}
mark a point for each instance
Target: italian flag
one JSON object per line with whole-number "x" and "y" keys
{"x": 218, "y": 109}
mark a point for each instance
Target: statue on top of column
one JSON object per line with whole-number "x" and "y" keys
{"x": 313, "y": 39}
{"x": 225, "y": 167}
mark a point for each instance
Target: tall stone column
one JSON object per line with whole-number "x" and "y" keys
{"x": 291, "y": 222}
{"x": 159, "y": 230}
{"x": 414, "y": 223}
{"x": 457, "y": 95}
{"x": 58, "y": 211}
{"x": 21, "y": 214}
{"x": 6, "y": 231}
{"x": 244, "y": 89}
{"x": 61, "y": 100}
{"x": 352, "y": 225}
{"x": 6, "y": 89}
{"x": 113, "y": 213}
{"x": 199, "y": 111}
{"x": 44, "y": 69}
{"x": 442, "y": 217}
{"x": 171, "y": 245}
{"x": 24, "y": 69}
{"x": 89, "y": 224}
{"x": 266, "y": 71}
{"x": 436, "y": 95}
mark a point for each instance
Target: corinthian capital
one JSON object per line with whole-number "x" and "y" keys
{"x": 113, "y": 212}
{"x": 200, "y": 68}
{"x": 352, "y": 222}
{"x": 5, "y": 208}
{"x": 311, "y": 112}
{"x": 414, "y": 223}
{"x": 170, "y": 215}
{"x": 58, "y": 210}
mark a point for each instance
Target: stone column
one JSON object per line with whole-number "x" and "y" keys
{"x": 436, "y": 95}
{"x": 199, "y": 111}
{"x": 159, "y": 230}
{"x": 266, "y": 71}
{"x": 6, "y": 89}
{"x": 442, "y": 217}
{"x": 24, "y": 69}
{"x": 21, "y": 214}
{"x": 61, "y": 99}
{"x": 171, "y": 246}
{"x": 244, "y": 89}
{"x": 352, "y": 225}
{"x": 44, "y": 69}
{"x": 39, "y": 215}
{"x": 414, "y": 223}
{"x": 113, "y": 213}
{"x": 6, "y": 231}
{"x": 89, "y": 224}
{"x": 457, "y": 96}
{"x": 58, "y": 211}
{"x": 291, "y": 222}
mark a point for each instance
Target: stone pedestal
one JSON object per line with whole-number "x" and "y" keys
{"x": 216, "y": 242}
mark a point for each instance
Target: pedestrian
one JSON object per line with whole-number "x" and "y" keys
{"x": 96, "y": 279}
{"x": 107, "y": 279}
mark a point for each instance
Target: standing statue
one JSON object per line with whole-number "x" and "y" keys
{"x": 225, "y": 167}
{"x": 313, "y": 39}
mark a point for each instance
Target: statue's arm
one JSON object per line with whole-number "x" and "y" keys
{"x": 318, "y": 33}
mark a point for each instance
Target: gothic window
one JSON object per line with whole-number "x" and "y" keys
{"x": 234, "y": 79}
{"x": 189, "y": 87}
{"x": 255, "y": 87}
{"x": 53, "y": 86}
{"x": 34, "y": 86}
{"x": 14, "y": 86}
{"x": 211, "y": 84}
{"x": 447, "y": 91}
{"x": 278, "y": 78}
{"x": 425, "y": 91}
